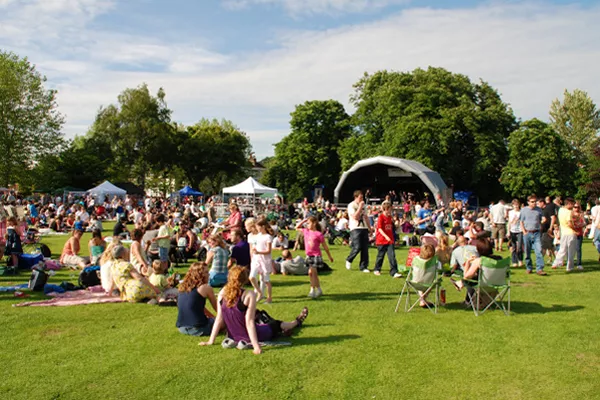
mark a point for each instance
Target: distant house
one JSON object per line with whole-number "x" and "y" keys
{"x": 256, "y": 169}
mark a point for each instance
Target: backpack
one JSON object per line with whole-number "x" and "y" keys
{"x": 38, "y": 279}
{"x": 45, "y": 250}
{"x": 90, "y": 276}
{"x": 414, "y": 241}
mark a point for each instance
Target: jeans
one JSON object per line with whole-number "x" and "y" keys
{"x": 578, "y": 249}
{"x": 198, "y": 330}
{"x": 360, "y": 244}
{"x": 516, "y": 242}
{"x": 568, "y": 247}
{"x": 597, "y": 240}
{"x": 533, "y": 240}
{"x": 389, "y": 249}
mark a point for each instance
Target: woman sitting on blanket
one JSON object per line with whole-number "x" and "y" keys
{"x": 106, "y": 262}
{"x": 70, "y": 253}
{"x": 237, "y": 312}
{"x": 192, "y": 319}
{"x": 134, "y": 287}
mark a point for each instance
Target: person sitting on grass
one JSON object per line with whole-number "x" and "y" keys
{"x": 280, "y": 242}
{"x": 14, "y": 248}
{"x": 106, "y": 262}
{"x": 237, "y": 313}
{"x": 240, "y": 251}
{"x": 69, "y": 255}
{"x": 217, "y": 258}
{"x": 162, "y": 282}
{"x": 192, "y": 317}
{"x": 133, "y": 286}
{"x": 289, "y": 265}
{"x": 96, "y": 246}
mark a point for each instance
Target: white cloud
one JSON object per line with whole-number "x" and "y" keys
{"x": 530, "y": 52}
{"x": 298, "y": 7}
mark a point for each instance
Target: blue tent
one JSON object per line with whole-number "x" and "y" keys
{"x": 188, "y": 191}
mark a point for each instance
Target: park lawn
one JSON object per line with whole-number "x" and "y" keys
{"x": 353, "y": 345}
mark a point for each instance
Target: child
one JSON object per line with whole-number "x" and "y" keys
{"x": 163, "y": 240}
{"x": 13, "y": 241}
{"x": 261, "y": 263}
{"x": 313, "y": 239}
{"x": 556, "y": 243}
{"x": 384, "y": 239}
{"x": 160, "y": 280}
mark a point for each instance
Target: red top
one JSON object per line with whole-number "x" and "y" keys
{"x": 386, "y": 224}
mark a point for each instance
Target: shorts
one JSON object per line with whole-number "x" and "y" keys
{"x": 163, "y": 254}
{"x": 499, "y": 231}
{"x": 314, "y": 261}
{"x": 547, "y": 242}
{"x": 217, "y": 279}
{"x": 198, "y": 330}
{"x": 73, "y": 260}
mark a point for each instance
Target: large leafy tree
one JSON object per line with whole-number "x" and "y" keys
{"x": 540, "y": 162}
{"x": 308, "y": 155}
{"x": 212, "y": 153}
{"x": 30, "y": 124}
{"x": 441, "y": 119}
{"x": 140, "y": 134}
{"x": 577, "y": 120}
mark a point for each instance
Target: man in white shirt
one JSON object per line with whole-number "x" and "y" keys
{"x": 342, "y": 224}
{"x": 499, "y": 213}
{"x": 596, "y": 226}
{"x": 83, "y": 215}
{"x": 595, "y": 213}
{"x": 359, "y": 232}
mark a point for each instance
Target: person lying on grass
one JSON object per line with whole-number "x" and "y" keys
{"x": 192, "y": 317}
{"x": 237, "y": 313}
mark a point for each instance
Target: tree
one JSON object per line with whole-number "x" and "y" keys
{"x": 443, "y": 120}
{"x": 140, "y": 133}
{"x": 212, "y": 150}
{"x": 540, "y": 162}
{"x": 308, "y": 155}
{"x": 577, "y": 121}
{"x": 29, "y": 121}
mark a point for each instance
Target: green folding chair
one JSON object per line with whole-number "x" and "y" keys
{"x": 493, "y": 284}
{"x": 423, "y": 276}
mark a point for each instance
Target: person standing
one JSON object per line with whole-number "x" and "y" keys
{"x": 499, "y": 214}
{"x": 384, "y": 239}
{"x": 531, "y": 226}
{"x": 359, "y": 232}
{"x": 568, "y": 239}
{"x": 595, "y": 213}
{"x": 516, "y": 236}
{"x": 596, "y": 224}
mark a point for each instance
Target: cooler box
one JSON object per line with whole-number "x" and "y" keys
{"x": 26, "y": 261}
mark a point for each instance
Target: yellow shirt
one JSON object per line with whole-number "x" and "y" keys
{"x": 564, "y": 217}
{"x": 159, "y": 280}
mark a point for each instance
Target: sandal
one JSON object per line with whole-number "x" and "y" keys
{"x": 300, "y": 318}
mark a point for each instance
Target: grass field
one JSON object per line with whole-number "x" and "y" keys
{"x": 353, "y": 345}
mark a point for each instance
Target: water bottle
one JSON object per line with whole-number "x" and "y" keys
{"x": 443, "y": 297}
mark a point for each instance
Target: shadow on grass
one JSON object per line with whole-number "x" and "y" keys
{"x": 290, "y": 283}
{"x": 303, "y": 341}
{"x": 360, "y": 296}
{"x": 521, "y": 307}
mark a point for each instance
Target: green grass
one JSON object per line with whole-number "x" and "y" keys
{"x": 353, "y": 345}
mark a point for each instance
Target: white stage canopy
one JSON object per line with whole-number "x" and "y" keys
{"x": 249, "y": 186}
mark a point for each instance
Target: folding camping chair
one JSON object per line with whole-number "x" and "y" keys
{"x": 424, "y": 277}
{"x": 493, "y": 285}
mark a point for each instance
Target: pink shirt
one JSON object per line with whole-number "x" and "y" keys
{"x": 312, "y": 242}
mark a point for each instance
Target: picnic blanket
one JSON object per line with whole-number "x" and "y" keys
{"x": 74, "y": 298}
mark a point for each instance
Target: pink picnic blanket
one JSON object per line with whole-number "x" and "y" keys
{"x": 74, "y": 298}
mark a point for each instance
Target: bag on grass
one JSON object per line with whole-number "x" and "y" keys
{"x": 45, "y": 250}
{"x": 90, "y": 276}
{"x": 262, "y": 317}
{"x": 38, "y": 279}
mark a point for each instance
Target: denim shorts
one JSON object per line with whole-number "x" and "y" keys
{"x": 163, "y": 254}
{"x": 198, "y": 330}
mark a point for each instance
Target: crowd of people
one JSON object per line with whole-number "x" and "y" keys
{"x": 238, "y": 250}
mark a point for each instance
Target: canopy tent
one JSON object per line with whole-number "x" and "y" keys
{"x": 106, "y": 189}
{"x": 382, "y": 174}
{"x": 188, "y": 191}
{"x": 249, "y": 186}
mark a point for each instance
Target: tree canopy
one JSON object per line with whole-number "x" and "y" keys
{"x": 308, "y": 155}
{"x": 443, "y": 120}
{"x": 540, "y": 162}
{"x": 30, "y": 124}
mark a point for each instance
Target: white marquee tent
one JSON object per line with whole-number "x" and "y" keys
{"x": 106, "y": 189}
{"x": 249, "y": 186}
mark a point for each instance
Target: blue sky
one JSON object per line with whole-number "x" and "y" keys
{"x": 252, "y": 61}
